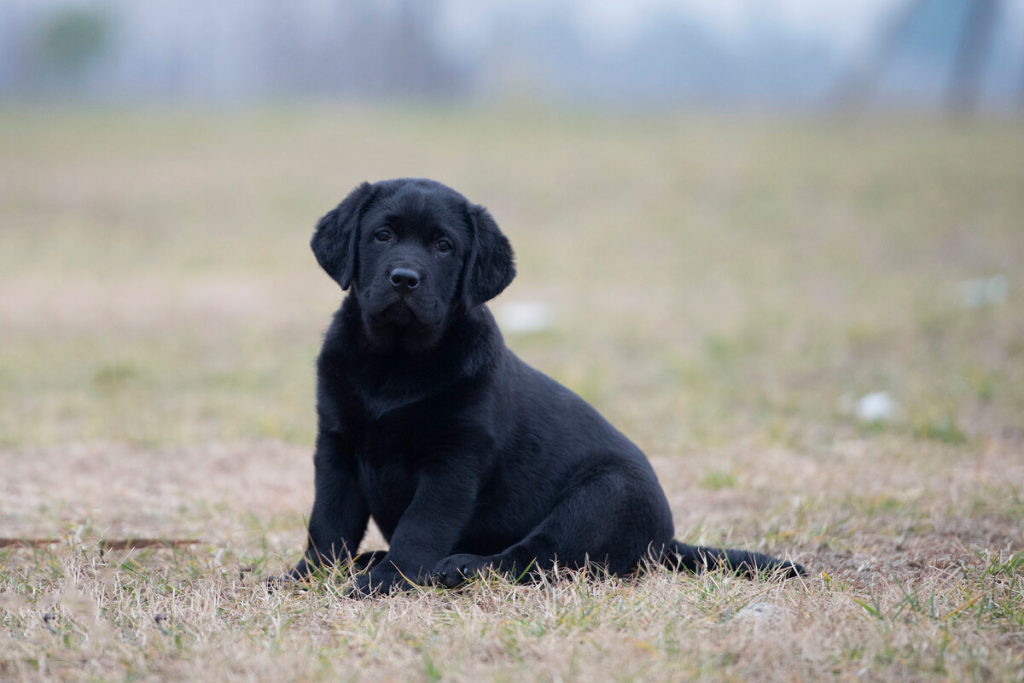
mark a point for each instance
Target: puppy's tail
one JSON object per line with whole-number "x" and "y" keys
{"x": 698, "y": 558}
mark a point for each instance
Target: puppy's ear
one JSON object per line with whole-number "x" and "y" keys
{"x": 336, "y": 236}
{"x": 490, "y": 266}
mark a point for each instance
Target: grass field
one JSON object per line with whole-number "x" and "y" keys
{"x": 724, "y": 289}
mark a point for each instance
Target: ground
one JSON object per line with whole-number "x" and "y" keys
{"x": 724, "y": 289}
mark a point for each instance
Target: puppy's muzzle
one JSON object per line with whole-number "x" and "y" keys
{"x": 404, "y": 279}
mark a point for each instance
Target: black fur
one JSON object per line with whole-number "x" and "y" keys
{"x": 466, "y": 457}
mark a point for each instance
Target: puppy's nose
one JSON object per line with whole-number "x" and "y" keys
{"x": 404, "y": 278}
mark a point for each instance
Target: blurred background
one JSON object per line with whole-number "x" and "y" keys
{"x": 786, "y": 54}
{"x": 778, "y": 243}
{"x": 774, "y": 220}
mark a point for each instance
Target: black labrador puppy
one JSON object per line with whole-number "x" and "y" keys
{"x": 467, "y": 458}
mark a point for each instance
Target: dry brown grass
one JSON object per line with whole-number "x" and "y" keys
{"x": 717, "y": 287}
{"x": 913, "y": 575}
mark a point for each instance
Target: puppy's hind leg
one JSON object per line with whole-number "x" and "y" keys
{"x": 604, "y": 515}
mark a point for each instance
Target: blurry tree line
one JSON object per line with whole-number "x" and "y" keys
{"x": 932, "y": 52}
{"x": 222, "y": 50}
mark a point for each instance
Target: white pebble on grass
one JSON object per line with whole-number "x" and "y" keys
{"x": 524, "y": 317}
{"x": 878, "y": 406}
{"x": 875, "y": 406}
{"x": 762, "y": 612}
{"x": 982, "y": 292}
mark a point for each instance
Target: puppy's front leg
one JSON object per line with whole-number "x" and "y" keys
{"x": 427, "y": 531}
{"x": 340, "y": 514}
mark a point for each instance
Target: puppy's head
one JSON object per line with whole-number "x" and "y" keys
{"x": 415, "y": 253}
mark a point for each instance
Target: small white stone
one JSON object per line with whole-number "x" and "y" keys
{"x": 878, "y": 406}
{"x": 761, "y": 611}
{"x": 524, "y": 317}
{"x": 983, "y": 292}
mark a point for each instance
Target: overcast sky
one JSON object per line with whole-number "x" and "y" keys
{"x": 846, "y": 25}
{"x": 788, "y": 51}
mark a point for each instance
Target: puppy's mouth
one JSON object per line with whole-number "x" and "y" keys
{"x": 402, "y": 322}
{"x": 402, "y": 312}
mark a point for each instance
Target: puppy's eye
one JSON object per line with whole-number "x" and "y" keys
{"x": 383, "y": 235}
{"x": 443, "y": 245}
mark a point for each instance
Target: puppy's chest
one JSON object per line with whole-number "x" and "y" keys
{"x": 374, "y": 402}
{"x": 388, "y": 473}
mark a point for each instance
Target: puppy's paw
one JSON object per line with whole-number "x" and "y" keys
{"x": 361, "y": 587}
{"x": 378, "y": 581}
{"x": 455, "y": 570}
